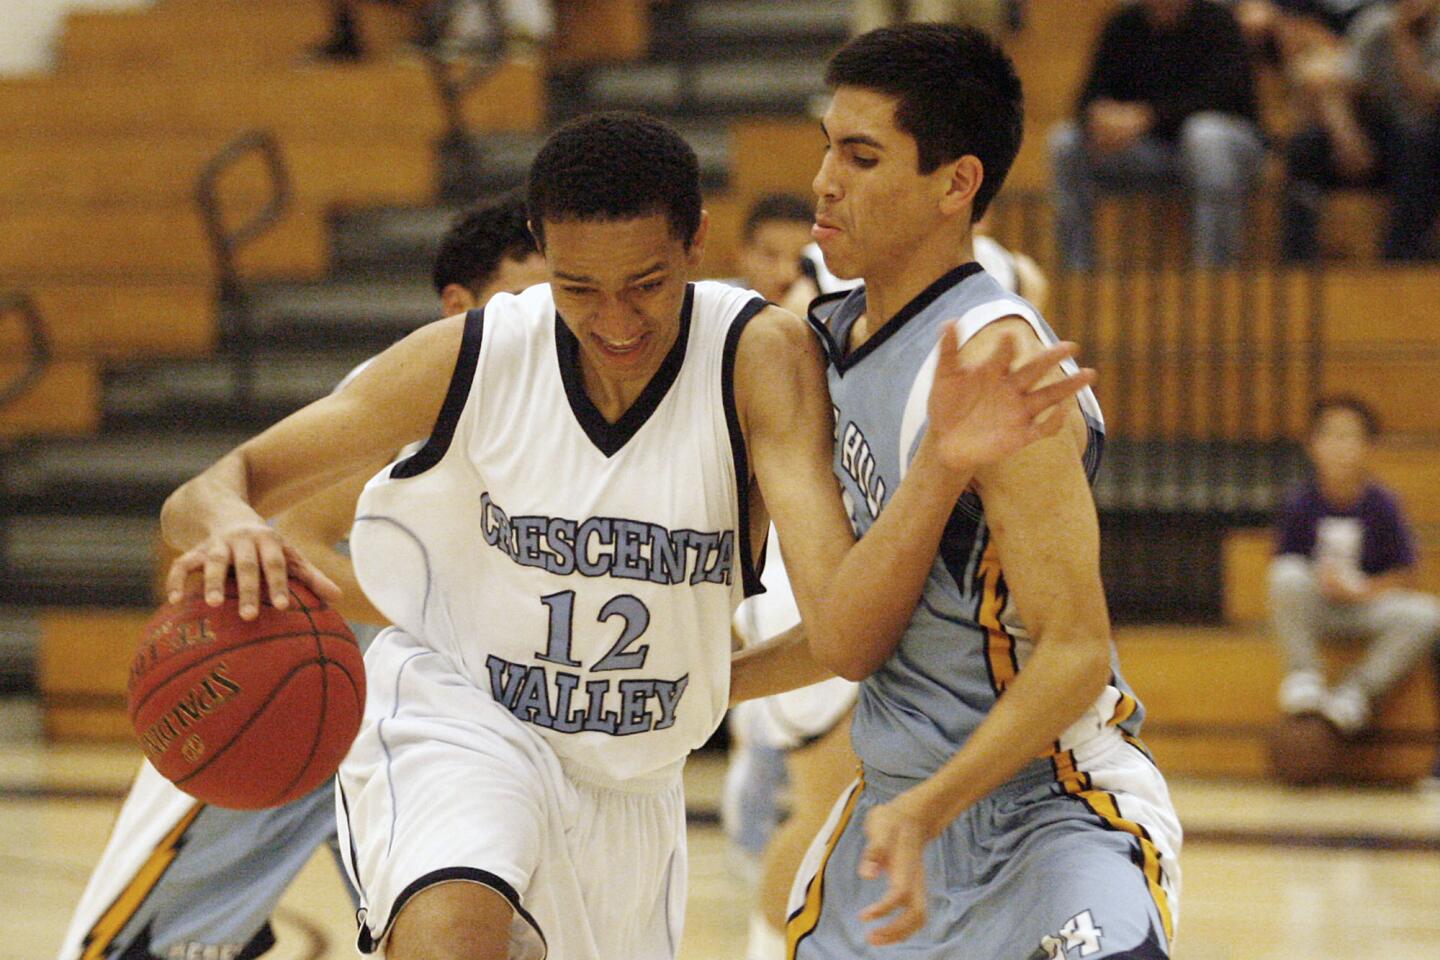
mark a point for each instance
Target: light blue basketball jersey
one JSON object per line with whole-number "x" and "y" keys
{"x": 964, "y": 642}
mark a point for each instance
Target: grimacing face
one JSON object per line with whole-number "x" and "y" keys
{"x": 620, "y": 285}
{"x": 874, "y": 206}
{"x": 770, "y": 259}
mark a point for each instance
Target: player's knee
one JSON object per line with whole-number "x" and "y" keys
{"x": 452, "y": 921}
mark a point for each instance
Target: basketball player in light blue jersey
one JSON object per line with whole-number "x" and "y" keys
{"x": 182, "y": 879}
{"x": 1005, "y": 808}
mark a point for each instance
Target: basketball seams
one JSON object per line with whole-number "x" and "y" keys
{"x": 212, "y": 655}
{"x": 288, "y": 708}
{"x": 259, "y": 711}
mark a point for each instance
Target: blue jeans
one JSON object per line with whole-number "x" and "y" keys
{"x": 1216, "y": 158}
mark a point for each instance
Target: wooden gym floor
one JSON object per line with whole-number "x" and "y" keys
{"x": 1269, "y": 873}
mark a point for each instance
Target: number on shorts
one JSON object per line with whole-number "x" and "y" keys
{"x": 1079, "y": 931}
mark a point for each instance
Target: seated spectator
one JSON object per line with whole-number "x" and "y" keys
{"x": 1377, "y": 124}
{"x": 1170, "y": 99}
{"x": 1343, "y": 568}
{"x": 1290, "y": 33}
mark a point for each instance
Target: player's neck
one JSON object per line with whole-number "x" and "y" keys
{"x": 887, "y": 292}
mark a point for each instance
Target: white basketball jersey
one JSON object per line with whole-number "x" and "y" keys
{"x": 582, "y": 572}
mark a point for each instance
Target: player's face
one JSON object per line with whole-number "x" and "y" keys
{"x": 512, "y": 276}
{"x": 1339, "y": 446}
{"x": 620, "y": 285}
{"x": 874, "y": 206}
{"x": 770, "y": 261}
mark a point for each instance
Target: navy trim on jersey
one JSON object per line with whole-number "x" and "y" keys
{"x": 844, "y": 360}
{"x": 749, "y": 571}
{"x": 821, "y": 309}
{"x": 368, "y": 943}
{"x": 609, "y": 437}
{"x": 458, "y": 392}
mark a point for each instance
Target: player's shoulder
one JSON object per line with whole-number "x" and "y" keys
{"x": 719, "y": 300}
{"x": 774, "y": 336}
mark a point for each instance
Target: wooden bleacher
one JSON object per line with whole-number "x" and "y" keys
{"x": 1209, "y": 695}
{"x": 84, "y": 664}
{"x": 101, "y": 158}
{"x": 154, "y": 109}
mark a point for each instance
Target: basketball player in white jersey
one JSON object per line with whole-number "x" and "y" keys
{"x": 1005, "y": 808}
{"x": 562, "y": 557}
{"x": 180, "y": 878}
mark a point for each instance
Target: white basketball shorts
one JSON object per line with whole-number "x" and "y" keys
{"x": 444, "y": 786}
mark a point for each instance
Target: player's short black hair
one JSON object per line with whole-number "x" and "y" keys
{"x": 776, "y": 206}
{"x": 615, "y": 166}
{"x": 1344, "y": 401}
{"x": 479, "y": 240}
{"x": 958, "y": 94}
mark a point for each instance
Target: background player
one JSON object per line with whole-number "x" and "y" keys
{"x": 181, "y": 878}
{"x": 572, "y": 431}
{"x": 1031, "y": 824}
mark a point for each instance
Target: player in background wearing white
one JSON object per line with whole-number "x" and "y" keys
{"x": 596, "y": 437}
{"x": 181, "y": 879}
{"x": 1005, "y": 807}
{"x": 800, "y": 738}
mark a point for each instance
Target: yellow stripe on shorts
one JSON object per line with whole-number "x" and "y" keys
{"x": 1103, "y": 805}
{"x": 803, "y": 921}
{"x": 127, "y": 904}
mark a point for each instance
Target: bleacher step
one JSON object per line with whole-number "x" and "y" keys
{"x": 1209, "y": 695}
{"x": 195, "y": 393}
{"x": 126, "y": 473}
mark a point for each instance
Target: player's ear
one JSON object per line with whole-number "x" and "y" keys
{"x": 457, "y": 298}
{"x": 696, "y": 251}
{"x": 965, "y": 177}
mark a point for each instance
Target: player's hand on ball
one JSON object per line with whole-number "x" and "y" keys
{"x": 981, "y": 413}
{"x": 895, "y": 848}
{"x": 254, "y": 552}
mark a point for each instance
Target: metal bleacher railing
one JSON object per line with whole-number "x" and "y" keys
{"x": 36, "y": 351}
{"x": 236, "y": 314}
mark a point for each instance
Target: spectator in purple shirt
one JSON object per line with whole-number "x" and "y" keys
{"x": 1344, "y": 568}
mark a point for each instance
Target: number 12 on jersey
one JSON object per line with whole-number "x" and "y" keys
{"x": 619, "y": 657}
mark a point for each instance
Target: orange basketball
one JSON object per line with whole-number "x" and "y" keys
{"x": 247, "y": 713}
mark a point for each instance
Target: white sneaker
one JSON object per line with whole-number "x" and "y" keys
{"x": 1348, "y": 708}
{"x": 1302, "y": 691}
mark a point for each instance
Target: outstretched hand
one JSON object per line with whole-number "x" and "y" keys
{"x": 252, "y": 551}
{"x": 981, "y": 413}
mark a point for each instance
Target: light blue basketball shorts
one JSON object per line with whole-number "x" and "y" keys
{"x": 1078, "y": 867}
